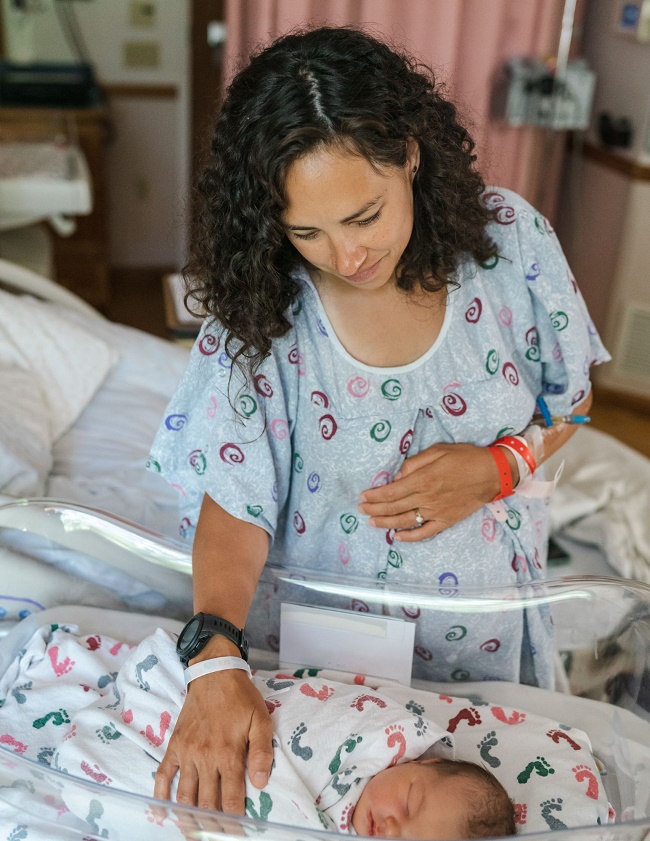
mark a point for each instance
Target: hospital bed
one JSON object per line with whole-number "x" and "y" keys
{"x": 70, "y": 561}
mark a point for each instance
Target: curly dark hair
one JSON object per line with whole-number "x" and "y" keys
{"x": 309, "y": 89}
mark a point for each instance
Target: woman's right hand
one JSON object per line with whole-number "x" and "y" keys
{"x": 224, "y": 719}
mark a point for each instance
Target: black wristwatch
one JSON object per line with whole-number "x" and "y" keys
{"x": 201, "y": 628}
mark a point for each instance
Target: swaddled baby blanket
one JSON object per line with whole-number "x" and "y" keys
{"x": 329, "y": 739}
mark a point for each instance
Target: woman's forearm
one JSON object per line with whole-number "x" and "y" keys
{"x": 227, "y": 560}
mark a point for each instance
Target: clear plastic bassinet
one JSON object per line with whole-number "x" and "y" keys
{"x": 602, "y": 631}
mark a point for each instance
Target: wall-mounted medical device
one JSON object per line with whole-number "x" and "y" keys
{"x": 535, "y": 96}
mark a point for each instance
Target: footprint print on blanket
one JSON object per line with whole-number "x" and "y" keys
{"x": 521, "y": 812}
{"x": 262, "y": 812}
{"x": 468, "y": 714}
{"x": 583, "y": 772}
{"x": 8, "y": 739}
{"x": 44, "y": 756}
{"x": 156, "y": 739}
{"x": 346, "y": 817}
{"x": 550, "y": 806}
{"x": 323, "y": 694}
{"x": 348, "y": 746}
{"x": 145, "y": 666}
{"x": 95, "y": 812}
{"x": 395, "y": 734}
{"x": 338, "y": 781}
{"x": 18, "y": 833}
{"x": 538, "y": 766}
{"x": 18, "y": 692}
{"x": 421, "y": 726}
{"x": 95, "y": 774}
{"x": 557, "y": 735}
{"x": 60, "y": 667}
{"x": 514, "y": 717}
{"x": 486, "y": 744}
{"x": 57, "y": 717}
{"x": 108, "y": 733}
{"x": 359, "y": 702}
{"x": 104, "y": 680}
{"x": 303, "y": 751}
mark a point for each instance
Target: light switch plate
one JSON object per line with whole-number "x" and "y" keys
{"x": 141, "y": 54}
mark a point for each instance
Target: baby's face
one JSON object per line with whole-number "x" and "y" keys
{"x": 412, "y": 801}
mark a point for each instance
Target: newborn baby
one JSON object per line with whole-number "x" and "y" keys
{"x": 434, "y": 799}
{"x": 346, "y": 758}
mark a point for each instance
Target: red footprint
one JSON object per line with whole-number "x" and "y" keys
{"x": 583, "y": 772}
{"x": 151, "y": 737}
{"x": 18, "y": 747}
{"x": 469, "y": 714}
{"x": 446, "y": 698}
{"x": 272, "y": 705}
{"x": 127, "y": 716}
{"x": 323, "y": 693}
{"x": 94, "y": 642}
{"x": 521, "y": 811}
{"x": 358, "y": 703}
{"x": 514, "y": 718}
{"x": 396, "y": 737}
{"x": 115, "y": 650}
{"x": 359, "y": 680}
{"x": 556, "y": 735}
{"x": 59, "y": 668}
{"x": 97, "y": 775}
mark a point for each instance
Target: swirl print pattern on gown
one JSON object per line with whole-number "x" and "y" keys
{"x": 316, "y": 428}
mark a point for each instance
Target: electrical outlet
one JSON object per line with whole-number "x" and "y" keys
{"x": 143, "y": 13}
{"x": 141, "y": 54}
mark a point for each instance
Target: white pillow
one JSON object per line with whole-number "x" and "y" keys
{"x": 67, "y": 360}
{"x": 25, "y": 440}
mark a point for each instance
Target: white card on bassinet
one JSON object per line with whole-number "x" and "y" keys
{"x": 346, "y": 641}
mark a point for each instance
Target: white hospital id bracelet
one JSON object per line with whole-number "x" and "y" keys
{"x": 216, "y": 664}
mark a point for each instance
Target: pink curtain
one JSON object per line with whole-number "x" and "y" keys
{"x": 465, "y": 41}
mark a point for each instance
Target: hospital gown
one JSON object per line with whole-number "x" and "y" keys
{"x": 316, "y": 428}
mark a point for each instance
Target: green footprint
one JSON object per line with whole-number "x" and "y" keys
{"x": 348, "y": 745}
{"x": 266, "y": 804}
{"x": 56, "y": 717}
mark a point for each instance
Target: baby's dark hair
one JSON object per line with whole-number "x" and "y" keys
{"x": 490, "y": 812}
{"x": 334, "y": 87}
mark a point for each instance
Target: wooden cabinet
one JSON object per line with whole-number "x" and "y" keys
{"x": 81, "y": 260}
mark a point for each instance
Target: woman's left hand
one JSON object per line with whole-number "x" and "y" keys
{"x": 445, "y": 483}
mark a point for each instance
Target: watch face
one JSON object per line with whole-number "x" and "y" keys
{"x": 189, "y": 633}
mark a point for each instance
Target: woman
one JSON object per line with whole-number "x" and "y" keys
{"x": 377, "y": 320}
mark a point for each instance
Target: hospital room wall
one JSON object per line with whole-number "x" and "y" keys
{"x": 605, "y": 230}
{"x": 148, "y": 152}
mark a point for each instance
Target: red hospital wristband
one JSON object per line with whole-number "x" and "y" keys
{"x": 518, "y": 446}
{"x": 505, "y": 473}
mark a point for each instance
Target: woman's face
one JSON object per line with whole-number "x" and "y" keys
{"x": 348, "y": 219}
